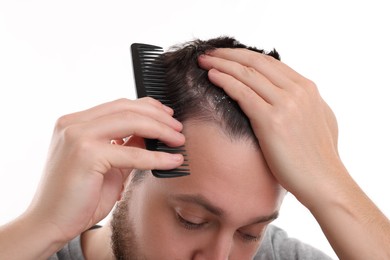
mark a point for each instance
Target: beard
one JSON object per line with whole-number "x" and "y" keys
{"x": 123, "y": 240}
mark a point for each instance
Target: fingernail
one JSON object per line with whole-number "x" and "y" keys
{"x": 179, "y": 125}
{"x": 177, "y": 157}
{"x": 179, "y": 137}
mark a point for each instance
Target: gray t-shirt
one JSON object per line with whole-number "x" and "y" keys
{"x": 276, "y": 245}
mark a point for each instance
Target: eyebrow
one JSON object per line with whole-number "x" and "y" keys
{"x": 200, "y": 200}
{"x": 264, "y": 219}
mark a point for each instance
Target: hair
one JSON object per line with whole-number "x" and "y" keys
{"x": 195, "y": 97}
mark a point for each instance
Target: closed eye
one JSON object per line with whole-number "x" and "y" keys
{"x": 188, "y": 224}
{"x": 248, "y": 238}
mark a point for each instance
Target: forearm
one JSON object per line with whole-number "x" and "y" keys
{"x": 352, "y": 223}
{"x": 24, "y": 239}
{"x": 297, "y": 133}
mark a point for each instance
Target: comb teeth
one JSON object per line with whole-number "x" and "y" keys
{"x": 149, "y": 75}
{"x": 149, "y": 72}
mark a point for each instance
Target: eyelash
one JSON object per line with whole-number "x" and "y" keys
{"x": 249, "y": 238}
{"x": 189, "y": 225}
{"x": 193, "y": 226}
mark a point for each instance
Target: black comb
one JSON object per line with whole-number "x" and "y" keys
{"x": 149, "y": 75}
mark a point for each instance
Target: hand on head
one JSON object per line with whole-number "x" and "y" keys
{"x": 296, "y": 129}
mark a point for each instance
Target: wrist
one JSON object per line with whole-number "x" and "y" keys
{"x": 29, "y": 238}
{"x": 330, "y": 186}
{"x": 50, "y": 238}
{"x": 348, "y": 217}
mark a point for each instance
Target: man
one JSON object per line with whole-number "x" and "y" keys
{"x": 253, "y": 128}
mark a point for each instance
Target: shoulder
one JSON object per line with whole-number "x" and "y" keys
{"x": 278, "y": 246}
{"x": 72, "y": 251}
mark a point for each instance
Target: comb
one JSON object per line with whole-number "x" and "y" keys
{"x": 149, "y": 76}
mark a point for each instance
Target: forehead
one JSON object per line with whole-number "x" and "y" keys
{"x": 231, "y": 173}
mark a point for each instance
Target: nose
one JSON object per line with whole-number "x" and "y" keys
{"x": 219, "y": 248}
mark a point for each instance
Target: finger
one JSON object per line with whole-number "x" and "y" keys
{"x": 261, "y": 63}
{"x": 146, "y": 106}
{"x": 294, "y": 75}
{"x": 126, "y": 124}
{"x": 249, "y": 101}
{"x": 247, "y": 75}
{"x": 155, "y": 112}
{"x": 125, "y": 157}
{"x": 300, "y": 81}
{"x": 132, "y": 141}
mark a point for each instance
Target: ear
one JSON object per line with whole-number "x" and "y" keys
{"x": 135, "y": 141}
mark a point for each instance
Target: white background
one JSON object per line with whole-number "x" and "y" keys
{"x": 58, "y": 57}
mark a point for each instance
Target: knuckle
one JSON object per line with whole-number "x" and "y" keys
{"x": 259, "y": 60}
{"x": 311, "y": 86}
{"x": 79, "y": 146}
{"x": 83, "y": 148}
{"x": 247, "y": 71}
{"x": 269, "y": 58}
{"x": 63, "y": 122}
{"x": 72, "y": 133}
{"x": 151, "y": 101}
{"x": 291, "y": 104}
{"x": 122, "y": 102}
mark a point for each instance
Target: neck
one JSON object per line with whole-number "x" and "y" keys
{"x": 96, "y": 243}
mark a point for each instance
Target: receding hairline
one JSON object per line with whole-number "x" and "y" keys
{"x": 219, "y": 124}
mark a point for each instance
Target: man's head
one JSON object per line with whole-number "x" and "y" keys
{"x": 222, "y": 209}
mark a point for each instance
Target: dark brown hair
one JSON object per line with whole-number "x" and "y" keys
{"x": 195, "y": 97}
